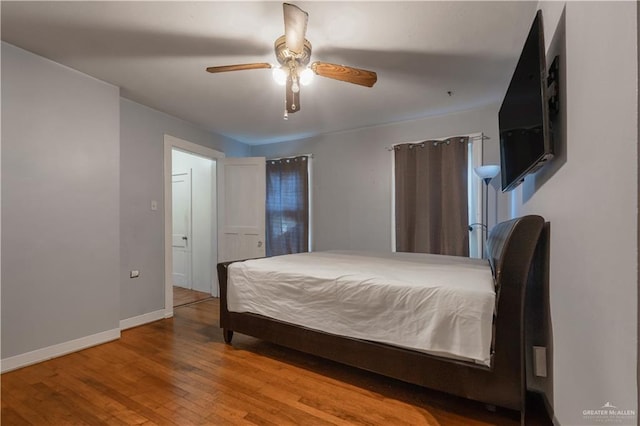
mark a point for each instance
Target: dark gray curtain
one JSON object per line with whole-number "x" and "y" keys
{"x": 287, "y": 221}
{"x": 431, "y": 197}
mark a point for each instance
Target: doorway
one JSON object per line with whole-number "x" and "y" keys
{"x": 190, "y": 222}
{"x": 182, "y": 240}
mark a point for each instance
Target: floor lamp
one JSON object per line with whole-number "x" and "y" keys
{"x": 486, "y": 173}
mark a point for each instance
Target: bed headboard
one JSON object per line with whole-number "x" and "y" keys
{"x": 512, "y": 239}
{"x": 511, "y": 247}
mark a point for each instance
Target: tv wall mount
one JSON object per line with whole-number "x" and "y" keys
{"x": 553, "y": 91}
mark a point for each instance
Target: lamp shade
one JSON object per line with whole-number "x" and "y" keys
{"x": 487, "y": 172}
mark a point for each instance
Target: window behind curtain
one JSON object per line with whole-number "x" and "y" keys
{"x": 287, "y": 207}
{"x": 431, "y": 197}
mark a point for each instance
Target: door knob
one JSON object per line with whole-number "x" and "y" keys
{"x": 259, "y": 243}
{"x": 184, "y": 238}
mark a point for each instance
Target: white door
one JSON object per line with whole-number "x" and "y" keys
{"x": 181, "y": 234}
{"x": 241, "y": 208}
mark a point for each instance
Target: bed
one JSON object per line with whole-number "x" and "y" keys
{"x": 496, "y": 375}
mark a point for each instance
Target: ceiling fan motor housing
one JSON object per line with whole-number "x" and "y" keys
{"x": 284, "y": 55}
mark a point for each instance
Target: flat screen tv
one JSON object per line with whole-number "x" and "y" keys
{"x": 525, "y": 136}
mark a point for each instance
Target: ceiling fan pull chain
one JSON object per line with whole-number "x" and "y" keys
{"x": 286, "y": 113}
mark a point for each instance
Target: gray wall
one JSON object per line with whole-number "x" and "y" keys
{"x": 80, "y": 167}
{"x": 60, "y": 220}
{"x": 351, "y": 180}
{"x": 142, "y": 131}
{"x": 591, "y": 203}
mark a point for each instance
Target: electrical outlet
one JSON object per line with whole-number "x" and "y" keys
{"x": 540, "y": 361}
{"x": 154, "y": 205}
{"x": 134, "y": 274}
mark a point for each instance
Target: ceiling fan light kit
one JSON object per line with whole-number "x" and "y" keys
{"x": 280, "y": 76}
{"x": 293, "y": 53}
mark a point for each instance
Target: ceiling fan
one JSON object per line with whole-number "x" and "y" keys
{"x": 293, "y": 52}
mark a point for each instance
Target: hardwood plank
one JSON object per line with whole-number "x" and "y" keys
{"x": 179, "y": 371}
{"x": 315, "y": 396}
{"x": 11, "y": 417}
{"x": 66, "y": 394}
{"x": 184, "y": 296}
{"x": 20, "y": 407}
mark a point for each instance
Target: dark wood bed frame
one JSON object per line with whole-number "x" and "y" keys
{"x": 511, "y": 246}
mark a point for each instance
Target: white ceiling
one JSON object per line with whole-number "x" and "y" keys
{"x": 157, "y": 52}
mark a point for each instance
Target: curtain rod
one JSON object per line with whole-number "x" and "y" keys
{"x": 290, "y": 156}
{"x": 436, "y": 142}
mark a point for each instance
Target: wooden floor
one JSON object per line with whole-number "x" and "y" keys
{"x": 178, "y": 371}
{"x": 184, "y": 296}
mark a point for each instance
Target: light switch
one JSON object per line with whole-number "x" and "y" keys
{"x": 154, "y": 205}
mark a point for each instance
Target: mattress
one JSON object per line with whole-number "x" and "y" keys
{"x": 441, "y": 305}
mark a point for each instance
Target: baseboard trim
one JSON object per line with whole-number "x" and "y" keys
{"x": 168, "y": 313}
{"x": 54, "y": 351}
{"x": 142, "y": 319}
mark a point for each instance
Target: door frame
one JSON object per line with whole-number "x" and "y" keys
{"x": 171, "y": 142}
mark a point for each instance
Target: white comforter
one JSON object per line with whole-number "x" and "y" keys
{"x": 439, "y": 304}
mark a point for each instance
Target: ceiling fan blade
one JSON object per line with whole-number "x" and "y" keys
{"x": 239, "y": 67}
{"x": 292, "y": 99}
{"x": 344, "y": 73}
{"x": 295, "y": 27}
